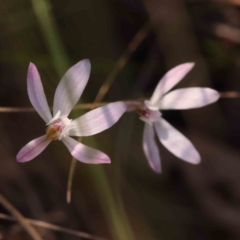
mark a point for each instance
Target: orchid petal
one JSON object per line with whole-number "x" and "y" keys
{"x": 187, "y": 98}
{"x": 169, "y": 80}
{"x": 36, "y": 93}
{"x": 84, "y": 153}
{"x": 71, "y": 87}
{"x": 176, "y": 142}
{"x": 97, "y": 120}
{"x": 33, "y": 149}
{"x": 151, "y": 149}
{"x": 58, "y": 114}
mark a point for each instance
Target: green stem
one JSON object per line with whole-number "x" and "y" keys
{"x": 112, "y": 207}
{"x": 50, "y": 33}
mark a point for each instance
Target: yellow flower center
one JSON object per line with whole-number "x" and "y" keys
{"x": 53, "y": 132}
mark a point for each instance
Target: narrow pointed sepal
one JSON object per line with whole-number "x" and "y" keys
{"x": 151, "y": 149}
{"x": 188, "y": 98}
{"x": 71, "y": 86}
{"x": 84, "y": 153}
{"x": 33, "y": 149}
{"x": 169, "y": 80}
{"x": 176, "y": 142}
{"x": 36, "y": 93}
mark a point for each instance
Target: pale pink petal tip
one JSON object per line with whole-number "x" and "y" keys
{"x": 87, "y": 61}
{"x": 217, "y": 95}
{"x": 197, "y": 160}
{"x": 155, "y": 167}
{"x": 32, "y": 69}
{"x": 188, "y": 66}
{"x": 106, "y": 161}
{"x": 191, "y": 64}
{"x": 30, "y": 65}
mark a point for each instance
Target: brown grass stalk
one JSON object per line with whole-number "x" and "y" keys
{"x": 53, "y": 227}
{"x": 20, "y": 218}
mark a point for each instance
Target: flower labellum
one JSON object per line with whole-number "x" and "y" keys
{"x": 171, "y": 138}
{"x": 59, "y": 126}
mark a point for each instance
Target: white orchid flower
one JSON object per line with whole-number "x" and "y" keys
{"x": 60, "y": 127}
{"x": 172, "y": 139}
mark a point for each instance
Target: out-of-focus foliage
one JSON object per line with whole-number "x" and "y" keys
{"x": 185, "y": 201}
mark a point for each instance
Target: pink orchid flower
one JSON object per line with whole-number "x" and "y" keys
{"x": 60, "y": 127}
{"x": 172, "y": 139}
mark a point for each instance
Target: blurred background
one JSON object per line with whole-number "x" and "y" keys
{"x": 130, "y": 44}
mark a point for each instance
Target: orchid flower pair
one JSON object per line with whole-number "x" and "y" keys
{"x": 59, "y": 126}
{"x": 69, "y": 90}
{"x": 162, "y": 99}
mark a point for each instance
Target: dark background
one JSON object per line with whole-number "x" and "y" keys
{"x": 125, "y": 200}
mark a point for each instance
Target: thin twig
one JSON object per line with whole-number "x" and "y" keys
{"x": 52, "y": 227}
{"x": 133, "y": 45}
{"x": 15, "y": 109}
{"x": 230, "y": 94}
{"x": 78, "y": 106}
{"x": 98, "y": 104}
{"x": 30, "y": 109}
{"x": 228, "y": 32}
{"x": 20, "y": 218}
{"x": 234, "y": 2}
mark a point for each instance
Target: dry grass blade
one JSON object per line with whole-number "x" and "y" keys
{"x": 70, "y": 177}
{"x": 133, "y": 45}
{"x": 53, "y": 227}
{"x": 20, "y": 218}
